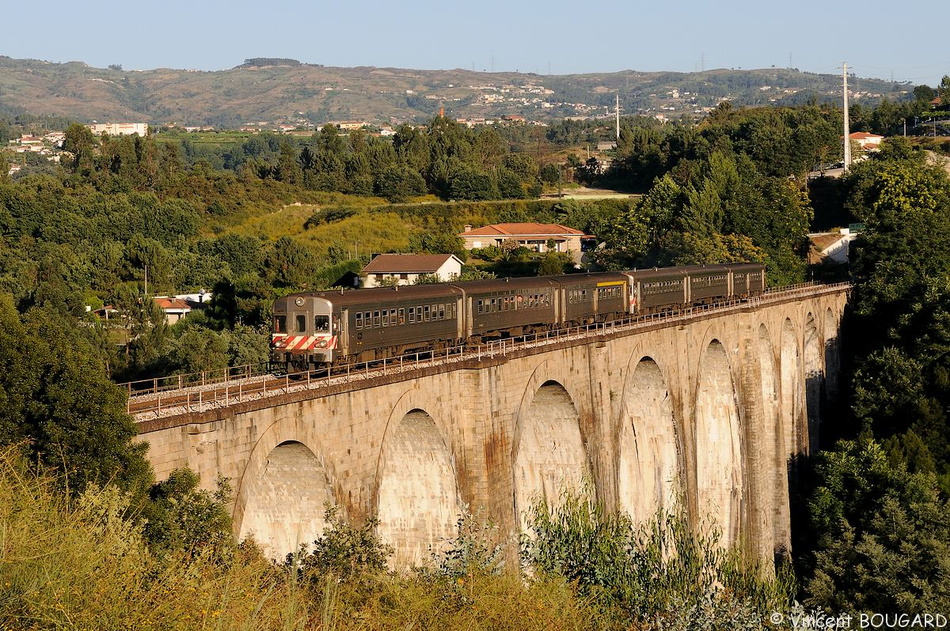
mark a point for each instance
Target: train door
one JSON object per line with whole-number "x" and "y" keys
{"x": 460, "y": 317}
{"x": 341, "y": 330}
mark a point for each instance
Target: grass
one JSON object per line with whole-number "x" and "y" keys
{"x": 83, "y": 564}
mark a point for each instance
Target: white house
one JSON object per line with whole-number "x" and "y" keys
{"x": 540, "y": 237}
{"x": 120, "y": 129}
{"x": 866, "y": 141}
{"x": 405, "y": 269}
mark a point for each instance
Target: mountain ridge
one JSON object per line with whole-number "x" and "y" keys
{"x": 312, "y": 94}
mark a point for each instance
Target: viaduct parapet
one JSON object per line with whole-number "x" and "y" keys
{"x": 709, "y": 408}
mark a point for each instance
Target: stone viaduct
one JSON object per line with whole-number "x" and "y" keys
{"x": 708, "y": 407}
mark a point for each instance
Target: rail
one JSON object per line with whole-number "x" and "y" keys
{"x": 177, "y": 394}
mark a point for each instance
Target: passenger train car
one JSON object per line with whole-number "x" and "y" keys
{"x": 318, "y": 329}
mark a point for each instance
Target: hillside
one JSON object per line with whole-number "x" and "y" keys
{"x": 303, "y": 95}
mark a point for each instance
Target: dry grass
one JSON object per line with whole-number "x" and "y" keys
{"x": 80, "y": 564}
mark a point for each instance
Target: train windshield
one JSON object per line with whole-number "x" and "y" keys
{"x": 280, "y": 324}
{"x": 321, "y": 324}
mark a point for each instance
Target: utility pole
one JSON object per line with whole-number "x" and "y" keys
{"x": 617, "y": 111}
{"x": 847, "y": 125}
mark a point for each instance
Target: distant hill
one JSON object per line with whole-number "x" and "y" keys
{"x": 293, "y": 93}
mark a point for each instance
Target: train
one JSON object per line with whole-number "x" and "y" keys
{"x": 321, "y": 329}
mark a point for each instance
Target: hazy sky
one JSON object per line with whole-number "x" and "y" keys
{"x": 901, "y": 40}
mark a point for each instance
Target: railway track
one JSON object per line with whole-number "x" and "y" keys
{"x": 181, "y": 394}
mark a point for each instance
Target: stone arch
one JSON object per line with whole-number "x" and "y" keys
{"x": 648, "y": 460}
{"x": 417, "y": 494}
{"x": 792, "y": 390}
{"x": 814, "y": 381}
{"x": 718, "y": 445}
{"x": 284, "y": 501}
{"x": 549, "y": 451}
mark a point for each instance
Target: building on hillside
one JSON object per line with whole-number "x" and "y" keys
{"x": 830, "y": 247}
{"x": 540, "y": 237}
{"x": 866, "y": 141}
{"x": 178, "y": 306}
{"x": 405, "y": 269}
{"x": 120, "y": 129}
{"x": 28, "y": 142}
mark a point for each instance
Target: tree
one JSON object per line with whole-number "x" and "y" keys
{"x": 881, "y": 535}
{"x": 180, "y": 517}
{"x": 198, "y": 350}
{"x": 943, "y": 91}
{"x": 397, "y": 184}
{"x": 924, "y": 93}
{"x": 81, "y": 143}
{"x": 553, "y": 263}
{"x": 57, "y": 402}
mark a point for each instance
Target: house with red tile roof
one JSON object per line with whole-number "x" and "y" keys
{"x": 405, "y": 269}
{"x": 177, "y": 307}
{"x": 540, "y": 237}
{"x": 866, "y": 141}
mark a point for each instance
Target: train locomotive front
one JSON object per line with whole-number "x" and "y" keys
{"x": 305, "y": 333}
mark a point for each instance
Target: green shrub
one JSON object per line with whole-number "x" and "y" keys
{"x": 661, "y": 573}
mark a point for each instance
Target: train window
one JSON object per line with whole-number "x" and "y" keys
{"x": 301, "y": 321}
{"x": 376, "y": 318}
{"x": 321, "y": 323}
{"x": 425, "y": 313}
{"x": 359, "y": 319}
{"x": 412, "y": 315}
{"x": 280, "y": 324}
{"x": 442, "y": 312}
{"x": 385, "y": 317}
{"x": 402, "y": 316}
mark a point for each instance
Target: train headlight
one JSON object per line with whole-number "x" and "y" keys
{"x": 322, "y": 343}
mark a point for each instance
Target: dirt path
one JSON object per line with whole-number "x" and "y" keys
{"x": 592, "y": 193}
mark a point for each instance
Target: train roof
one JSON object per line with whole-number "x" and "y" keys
{"x": 592, "y": 278}
{"x": 501, "y": 284}
{"x": 407, "y": 293}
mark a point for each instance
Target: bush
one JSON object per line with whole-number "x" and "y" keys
{"x": 661, "y": 573}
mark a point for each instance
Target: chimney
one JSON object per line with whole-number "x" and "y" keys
{"x": 468, "y": 227}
